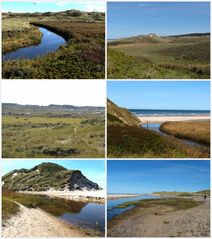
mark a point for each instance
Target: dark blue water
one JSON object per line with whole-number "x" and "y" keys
{"x": 50, "y": 42}
{"x": 112, "y": 211}
{"x": 91, "y": 215}
{"x": 140, "y": 112}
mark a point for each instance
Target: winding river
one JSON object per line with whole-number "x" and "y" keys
{"x": 50, "y": 42}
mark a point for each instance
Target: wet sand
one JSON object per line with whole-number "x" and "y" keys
{"x": 162, "y": 221}
{"x": 37, "y": 223}
{"x": 162, "y": 119}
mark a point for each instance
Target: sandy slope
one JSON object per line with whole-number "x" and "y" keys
{"x": 162, "y": 119}
{"x": 37, "y": 223}
{"x": 161, "y": 222}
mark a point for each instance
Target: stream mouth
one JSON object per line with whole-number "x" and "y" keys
{"x": 50, "y": 42}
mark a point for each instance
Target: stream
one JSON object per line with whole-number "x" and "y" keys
{"x": 50, "y": 42}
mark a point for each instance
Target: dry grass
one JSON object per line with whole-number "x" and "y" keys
{"x": 198, "y": 131}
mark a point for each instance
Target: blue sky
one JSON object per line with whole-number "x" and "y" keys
{"x": 163, "y": 18}
{"x": 53, "y": 6}
{"x": 92, "y": 169}
{"x": 146, "y": 176}
{"x": 181, "y": 95}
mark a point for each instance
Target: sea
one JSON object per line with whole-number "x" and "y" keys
{"x": 150, "y": 112}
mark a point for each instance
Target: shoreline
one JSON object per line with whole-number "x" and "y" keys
{"x": 79, "y": 196}
{"x": 119, "y": 196}
{"x": 34, "y": 222}
{"x": 164, "y": 221}
{"x": 165, "y": 118}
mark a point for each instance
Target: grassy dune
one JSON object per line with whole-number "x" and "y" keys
{"x": 198, "y": 131}
{"x": 9, "y": 208}
{"x": 47, "y": 137}
{"x": 186, "y": 57}
{"x": 127, "y": 142}
{"x": 81, "y": 58}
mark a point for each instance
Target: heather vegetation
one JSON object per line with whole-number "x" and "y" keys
{"x": 82, "y": 57}
{"x": 154, "y": 57}
{"x": 52, "y": 131}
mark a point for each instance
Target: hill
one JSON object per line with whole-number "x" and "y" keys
{"x": 118, "y": 115}
{"x": 175, "y": 193}
{"x": 47, "y": 176}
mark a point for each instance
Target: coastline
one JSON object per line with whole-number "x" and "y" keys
{"x": 79, "y": 196}
{"x": 164, "y": 221}
{"x": 161, "y": 119}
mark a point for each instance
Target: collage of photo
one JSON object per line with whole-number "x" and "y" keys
{"x": 105, "y": 119}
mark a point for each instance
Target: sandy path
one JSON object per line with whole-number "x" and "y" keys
{"x": 37, "y": 223}
{"x": 160, "y": 222}
{"x": 161, "y": 119}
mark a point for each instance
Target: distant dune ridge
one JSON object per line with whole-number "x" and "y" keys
{"x": 45, "y": 177}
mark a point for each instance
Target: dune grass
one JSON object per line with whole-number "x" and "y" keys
{"x": 175, "y": 203}
{"x": 49, "y": 137}
{"x": 198, "y": 131}
{"x": 9, "y": 208}
{"x": 164, "y": 58}
{"x": 134, "y": 142}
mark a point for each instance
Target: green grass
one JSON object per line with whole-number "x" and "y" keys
{"x": 165, "y": 58}
{"x": 82, "y": 57}
{"x": 175, "y": 203}
{"x": 47, "y": 137}
{"x": 198, "y": 131}
{"x": 9, "y": 209}
{"x": 134, "y": 142}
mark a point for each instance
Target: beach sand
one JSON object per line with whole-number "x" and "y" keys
{"x": 162, "y": 222}
{"x": 37, "y": 223}
{"x": 162, "y": 119}
{"x": 117, "y": 196}
{"x": 80, "y": 196}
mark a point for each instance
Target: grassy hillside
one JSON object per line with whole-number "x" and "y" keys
{"x": 126, "y": 140}
{"x": 174, "y": 193}
{"x": 145, "y": 57}
{"x": 82, "y": 57}
{"x": 118, "y": 115}
{"x": 198, "y": 131}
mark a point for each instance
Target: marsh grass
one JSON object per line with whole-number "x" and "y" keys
{"x": 175, "y": 203}
{"x": 83, "y": 56}
{"x": 127, "y": 142}
{"x": 198, "y": 131}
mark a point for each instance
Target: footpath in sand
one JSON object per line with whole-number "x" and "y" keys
{"x": 37, "y": 223}
{"x": 162, "y": 222}
{"x": 162, "y": 119}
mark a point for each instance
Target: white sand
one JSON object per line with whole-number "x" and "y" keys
{"x": 86, "y": 196}
{"x": 37, "y": 223}
{"x": 161, "y": 119}
{"x": 116, "y": 196}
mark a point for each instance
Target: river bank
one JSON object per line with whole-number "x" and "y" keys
{"x": 117, "y": 196}
{"x": 97, "y": 196}
{"x": 164, "y": 221}
{"x": 34, "y": 222}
